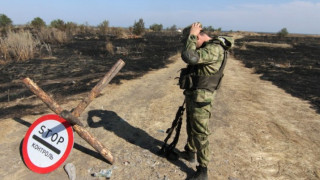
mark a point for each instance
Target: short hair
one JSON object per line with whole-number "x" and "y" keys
{"x": 186, "y": 32}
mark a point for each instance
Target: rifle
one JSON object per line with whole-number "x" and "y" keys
{"x": 168, "y": 150}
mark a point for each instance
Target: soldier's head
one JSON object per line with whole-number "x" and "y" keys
{"x": 201, "y": 38}
{"x": 201, "y": 35}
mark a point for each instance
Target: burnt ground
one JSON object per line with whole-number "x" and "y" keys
{"x": 295, "y": 69}
{"x": 77, "y": 66}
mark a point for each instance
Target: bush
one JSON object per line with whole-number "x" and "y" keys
{"x": 85, "y": 28}
{"x": 104, "y": 27}
{"x": 283, "y": 32}
{"x": 156, "y": 27}
{"x": 138, "y": 27}
{"x": 38, "y": 23}
{"x": 5, "y": 21}
{"x": 52, "y": 35}
{"x": 209, "y": 28}
{"x": 59, "y": 24}
{"x": 5, "y": 24}
{"x": 173, "y": 28}
{"x": 118, "y": 32}
{"x": 19, "y": 46}
{"x": 71, "y": 28}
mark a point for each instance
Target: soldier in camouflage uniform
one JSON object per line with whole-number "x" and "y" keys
{"x": 205, "y": 56}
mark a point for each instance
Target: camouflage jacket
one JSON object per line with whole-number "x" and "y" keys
{"x": 208, "y": 58}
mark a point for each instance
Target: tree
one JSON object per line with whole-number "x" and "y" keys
{"x": 173, "y": 28}
{"x": 209, "y": 28}
{"x": 138, "y": 27}
{"x": 38, "y": 23}
{"x": 59, "y": 24}
{"x": 5, "y": 21}
{"x": 283, "y": 32}
{"x": 156, "y": 27}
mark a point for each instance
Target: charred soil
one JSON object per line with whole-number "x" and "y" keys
{"x": 292, "y": 63}
{"x": 78, "y": 65}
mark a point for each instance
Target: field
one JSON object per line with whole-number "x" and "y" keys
{"x": 79, "y": 65}
{"x": 265, "y": 122}
{"x": 291, "y": 63}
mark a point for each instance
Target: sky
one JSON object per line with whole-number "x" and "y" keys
{"x": 298, "y": 16}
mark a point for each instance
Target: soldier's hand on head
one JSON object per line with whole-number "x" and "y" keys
{"x": 195, "y": 28}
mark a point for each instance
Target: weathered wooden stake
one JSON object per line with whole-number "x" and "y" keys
{"x": 82, "y": 132}
{"x": 98, "y": 88}
{"x": 73, "y": 118}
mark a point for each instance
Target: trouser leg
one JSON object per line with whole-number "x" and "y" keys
{"x": 199, "y": 112}
{"x": 190, "y": 143}
{"x": 200, "y": 135}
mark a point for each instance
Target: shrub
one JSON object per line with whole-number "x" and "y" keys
{"x": 5, "y": 24}
{"x": 173, "y": 28}
{"x": 52, "y": 35}
{"x": 218, "y": 30}
{"x": 138, "y": 27}
{"x": 19, "y": 46}
{"x": 118, "y": 32}
{"x": 209, "y": 28}
{"x": 38, "y": 23}
{"x": 156, "y": 27}
{"x": 283, "y": 32}
{"x": 104, "y": 27}
{"x": 59, "y": 24}
{"x": 85, "y": 28}
{"x": 71, "y": 28}
{"x": 5, "y": 21}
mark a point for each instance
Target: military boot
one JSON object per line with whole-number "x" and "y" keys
{"x": 201, "y": 174}
{"x": 188, "y": 155}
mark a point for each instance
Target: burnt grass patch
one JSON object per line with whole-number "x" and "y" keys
{"x": 77, "y": 67}
{"x": 295, "y": 69}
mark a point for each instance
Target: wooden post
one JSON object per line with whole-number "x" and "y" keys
{"x": 73, "y": 117}
{"x": 98, "y": 88}
{"x": 82, "y": 132}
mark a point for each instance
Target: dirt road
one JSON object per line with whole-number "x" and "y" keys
{"x": 258, "y": 131}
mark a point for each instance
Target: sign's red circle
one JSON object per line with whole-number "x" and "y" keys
{"x": 54, "y": 166}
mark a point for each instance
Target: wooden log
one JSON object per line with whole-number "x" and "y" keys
{"x": 53, "y": 105}
{"x": 69, "y": 117}
{"x": 82, "y": 132}
{"x": 98, "y": 88}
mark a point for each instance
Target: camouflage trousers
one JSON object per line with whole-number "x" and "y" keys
{"x": 199, "y": 106}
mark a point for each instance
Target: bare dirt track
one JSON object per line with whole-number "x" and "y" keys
{"x": 259, "y": 130}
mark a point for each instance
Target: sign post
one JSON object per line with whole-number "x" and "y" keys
{"x": 47, "y": 143}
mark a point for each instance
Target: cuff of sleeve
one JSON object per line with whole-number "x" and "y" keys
{"x": 193, "y": 37}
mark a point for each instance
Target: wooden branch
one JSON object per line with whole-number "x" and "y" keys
{"x": 98, "y": 88}
{"x": 82, "y": 132}
{"x": 50, "y": 102}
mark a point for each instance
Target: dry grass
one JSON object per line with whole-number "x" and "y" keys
{"x": 265, "y": 44}
{"x": 53, "y": 35}
{"x": 109, "y": 48}
{"x": 272, "y": 45}
{"x": 119, "y": 32}
{"x": 18, "y": 45}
